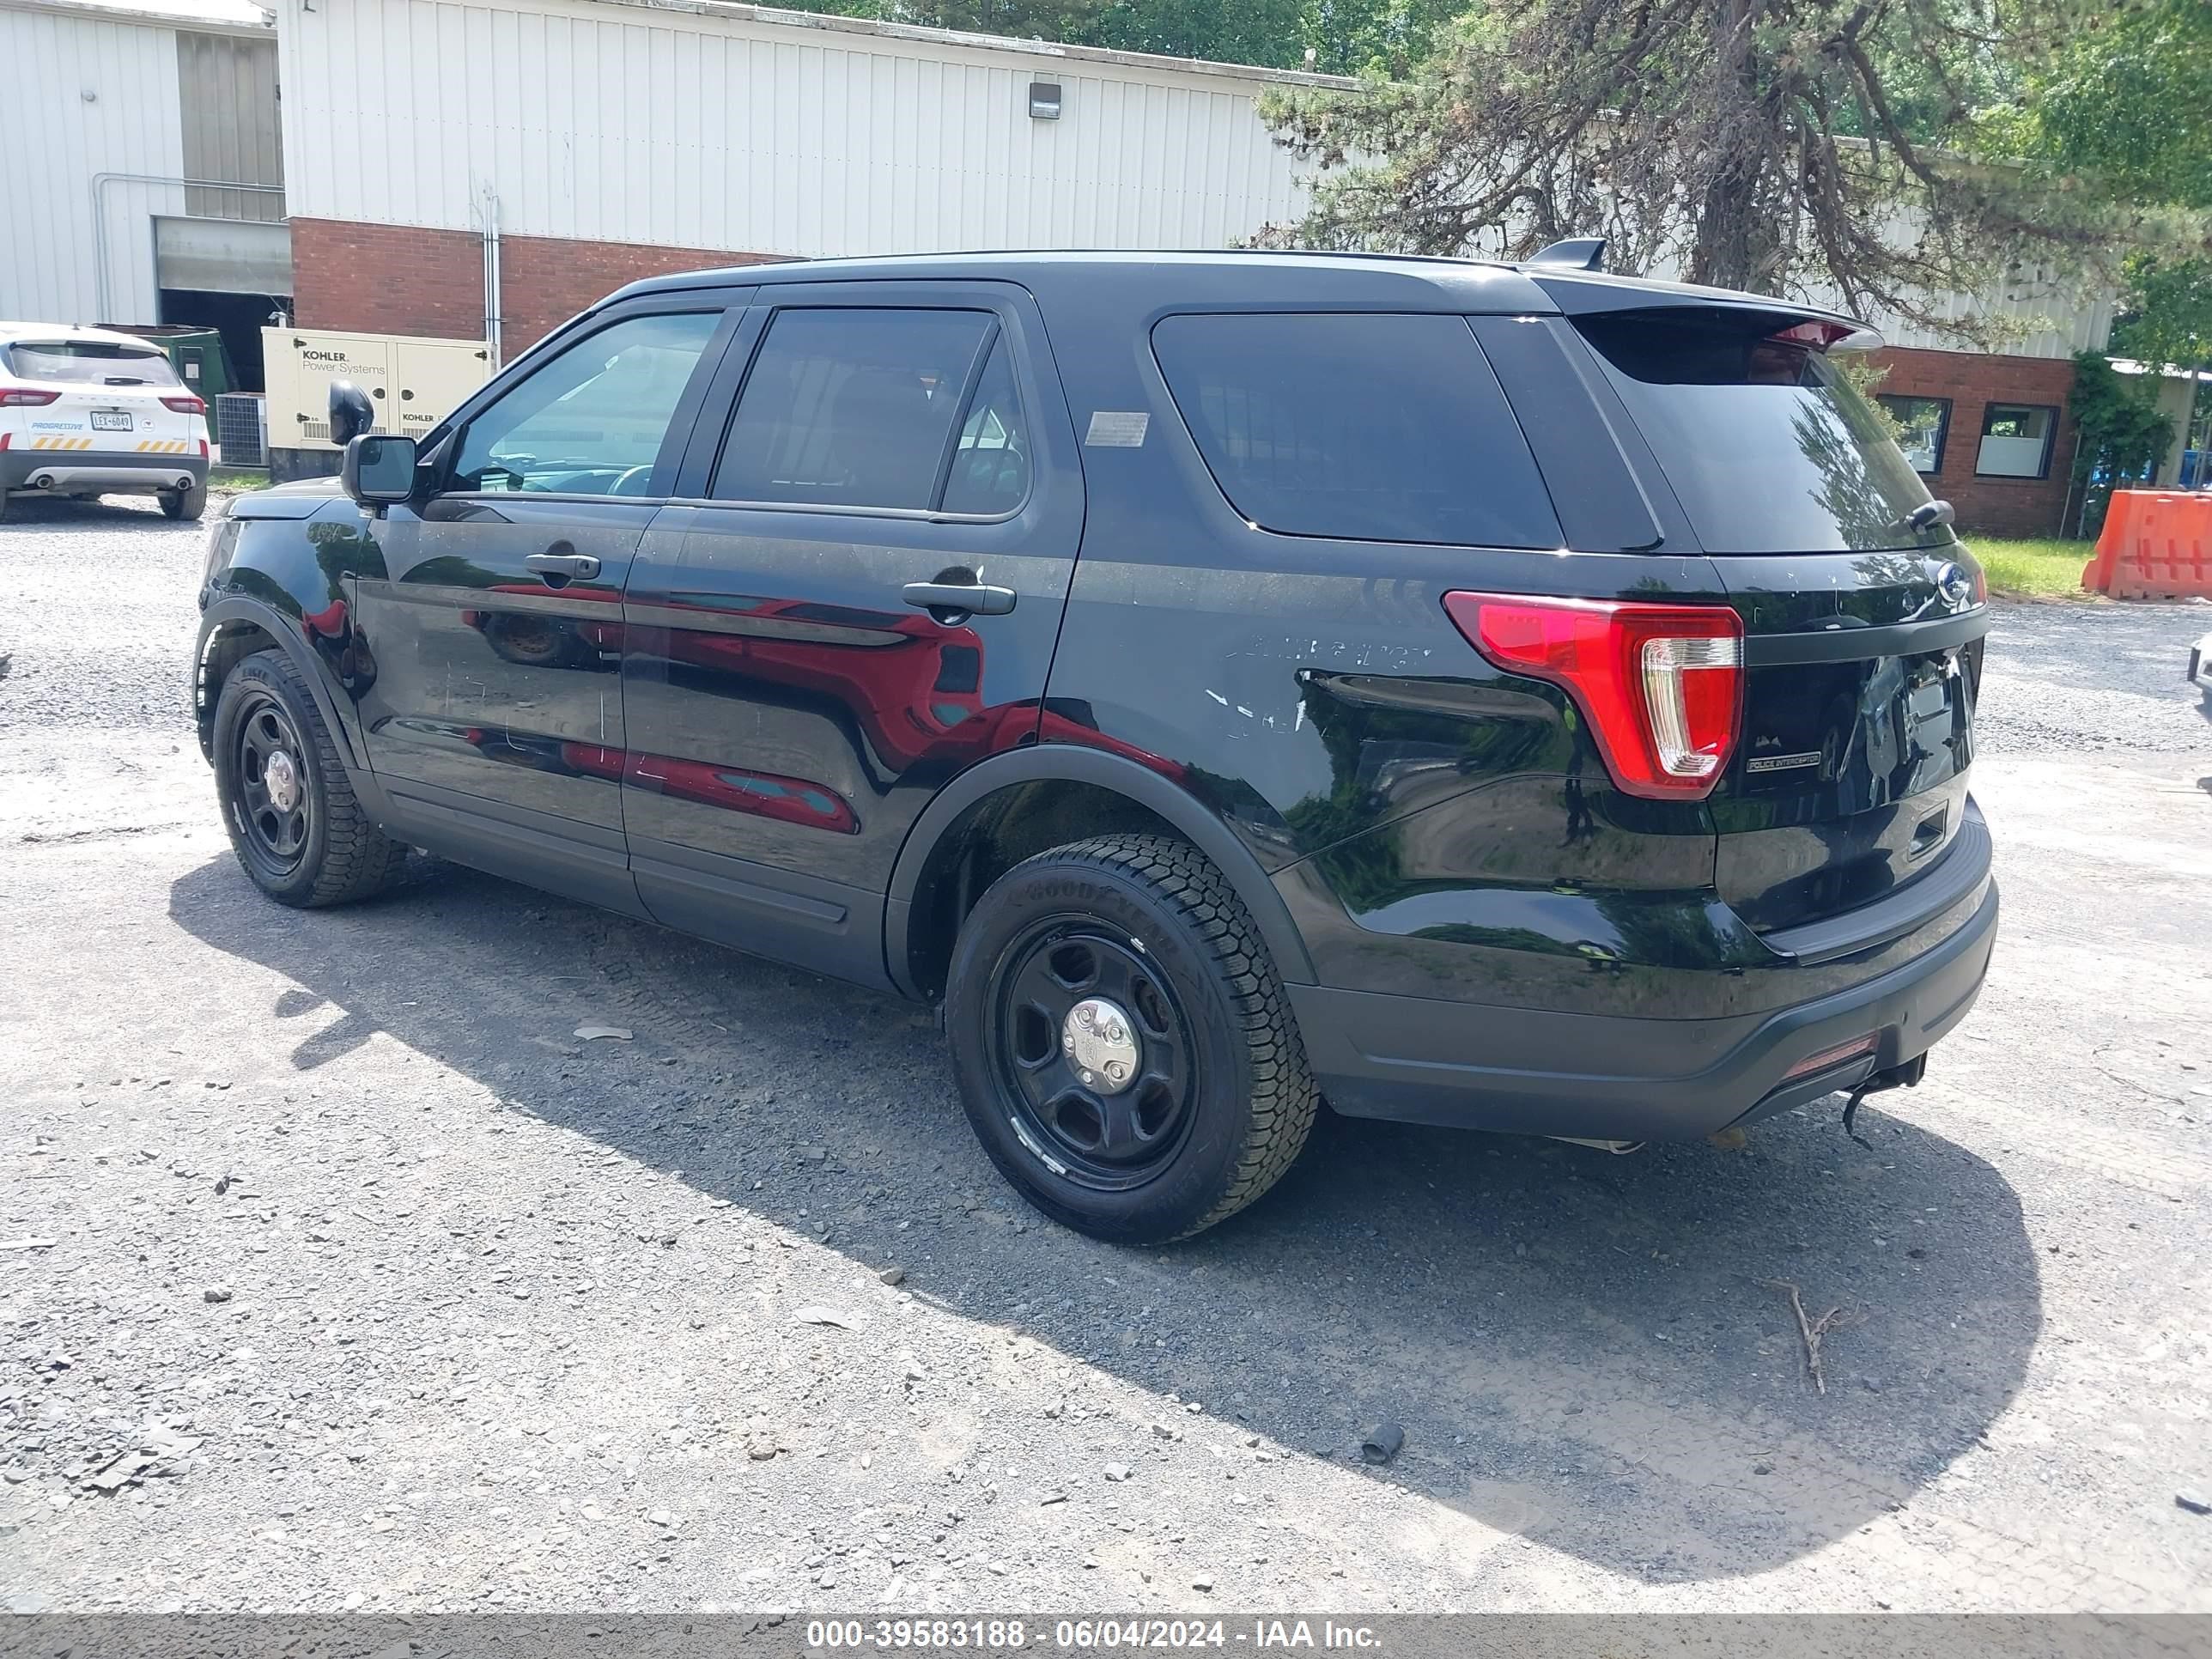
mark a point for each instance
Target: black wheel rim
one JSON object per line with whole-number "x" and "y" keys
{"x": 274, "y": 804}
{"x": 1107, "y": 1139}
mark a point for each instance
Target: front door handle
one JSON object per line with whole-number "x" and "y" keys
{"x": 560, "y": 568}
{"x": 941, "y": 600}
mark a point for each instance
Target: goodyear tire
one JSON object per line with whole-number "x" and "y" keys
{"x": 294, "y": 821}
{"x": 1124, "y": 1048}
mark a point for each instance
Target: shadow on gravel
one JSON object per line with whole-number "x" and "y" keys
{"x": 1580, "y": 1347}
{"x": 52, "y": 512}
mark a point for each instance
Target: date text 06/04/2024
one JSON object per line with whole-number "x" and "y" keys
{"x": 996, "y": 1635}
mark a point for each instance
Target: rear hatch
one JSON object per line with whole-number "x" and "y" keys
{"x": 1862, "y": 616}
{"x": 97, "y": 397}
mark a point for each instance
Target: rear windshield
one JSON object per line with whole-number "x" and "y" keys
{"x": 1768, "y": 450}
{"x": 88, "y": 362}
{"x": 1369, "y": 428}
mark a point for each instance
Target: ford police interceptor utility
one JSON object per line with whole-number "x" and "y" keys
{"x": 86, "y": 412}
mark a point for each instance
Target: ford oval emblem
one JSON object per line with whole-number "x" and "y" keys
{"x": 1954, "y": 583}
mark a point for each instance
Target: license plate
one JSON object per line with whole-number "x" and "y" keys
{"x": 110, "y": 421}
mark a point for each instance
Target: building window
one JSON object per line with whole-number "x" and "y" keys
{"x": 1923, "y": 424}
{"x": 2016, "y": 440}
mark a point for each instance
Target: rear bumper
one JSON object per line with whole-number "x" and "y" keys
{"x": 1606, "y": 1077}
{"x": 64, "y": 471}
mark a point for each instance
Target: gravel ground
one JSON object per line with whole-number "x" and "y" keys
{"x": 397, "y": 1295}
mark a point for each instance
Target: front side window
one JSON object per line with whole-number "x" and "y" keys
{"x": 591, "y": 421}
{"x": 1923, "y": 424}
{"x": 87, "y": 362}
{"x": 859, "y": 407}
{"x": 1361, "y": 427}
{"x": 2016, "y": 440}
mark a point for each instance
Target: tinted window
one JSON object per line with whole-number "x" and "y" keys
{"x": 590, "y": 421}
{"x": 991, "y": 466}
{"x": 1768, "y": 450}
{"x": 849, "y": 407}
{"x": 88, "y": 362}
{"x": 1370, "y": 428}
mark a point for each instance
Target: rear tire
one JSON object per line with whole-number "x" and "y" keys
{"x": 294, "y": 823}
{"x": 1213, "y": 1099}
{"x": 184, "y": 503}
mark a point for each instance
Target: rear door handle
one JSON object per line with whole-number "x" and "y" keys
{"x": 967, "y": 599}
{"x": 563, "y": 566}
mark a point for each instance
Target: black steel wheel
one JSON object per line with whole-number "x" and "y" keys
{"x": 1125, "y": 1050}
{"x": 274, "y": 806}
{"x": 294, "y": 823}
{"x": 1094, "y": 1053}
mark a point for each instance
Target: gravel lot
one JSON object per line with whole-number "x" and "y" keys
{"x": 409, "y": 1300}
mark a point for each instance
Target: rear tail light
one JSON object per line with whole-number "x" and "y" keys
{"x": 204, "y": 449}
{"x": 186, "y": 404}
{"x": 4, "y": 437}
{"x": 1661, "y": 685}
{"x": 24, "y": 398}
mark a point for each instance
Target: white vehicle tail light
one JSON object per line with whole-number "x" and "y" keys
{"x": 1661, "y": 685}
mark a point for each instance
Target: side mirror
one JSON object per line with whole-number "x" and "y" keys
{"x": 351, "y": 412}
{"x": 378, "y": 471}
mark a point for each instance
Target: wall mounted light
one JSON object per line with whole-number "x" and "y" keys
{"x": 1044, "y": 100}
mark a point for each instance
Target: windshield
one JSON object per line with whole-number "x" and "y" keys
{"x": 1767, "y": 448}
{"x": 88, "y": 362}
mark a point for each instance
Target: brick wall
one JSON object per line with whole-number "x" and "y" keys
{"x": 402, "y": 279}
{"x": 1972, "y": 380}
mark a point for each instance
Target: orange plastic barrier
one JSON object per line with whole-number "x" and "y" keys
{"x": 2156, "y": 544}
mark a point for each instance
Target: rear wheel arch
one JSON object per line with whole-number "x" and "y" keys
{"x": 1014, "y": 805}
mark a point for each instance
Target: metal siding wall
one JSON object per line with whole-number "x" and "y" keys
{"x": 227, "y": 93}
{"x": 691, "y": 130}
{"x": 56, "y": 142}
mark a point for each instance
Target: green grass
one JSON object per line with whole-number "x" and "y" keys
{"x": 225, "y": 477}
{"x": 2032, "y": 567}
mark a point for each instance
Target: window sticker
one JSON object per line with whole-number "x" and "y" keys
{"x": 1117, "y": 428}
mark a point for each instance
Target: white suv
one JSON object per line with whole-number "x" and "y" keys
{"x": 87, "y": 412}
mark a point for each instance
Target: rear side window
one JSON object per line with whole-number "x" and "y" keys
{"x": 854, "y": 407}
{"x": 88, "y": 362}
{"x": 1768, "y": 450}
{"x": 1363, "y": 426}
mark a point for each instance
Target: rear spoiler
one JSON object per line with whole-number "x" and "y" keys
{"x": 1585, "y": 290}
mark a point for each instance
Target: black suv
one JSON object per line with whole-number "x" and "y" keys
{"x": 1510, "y": 696}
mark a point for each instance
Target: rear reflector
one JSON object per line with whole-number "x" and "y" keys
{"x": 186, "y": 404}
{"x": 24, "y": 398}
{"x": 1856, "y": 1049}
{"x": 1661, "y": 685}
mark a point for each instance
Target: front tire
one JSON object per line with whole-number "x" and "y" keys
{"x": 294, "y": 823}
{"x": 184, "y": 503}
{"x": 1124, "y": 1046}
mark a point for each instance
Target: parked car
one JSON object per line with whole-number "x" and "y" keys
{"x": 89, "y": 412}
{"x": 1508, "y": 696}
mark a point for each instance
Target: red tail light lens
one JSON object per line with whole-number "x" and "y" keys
{"x": 24, "y": 398}
{"x": 1661, "y": 685}
{"x": 186, "y": 404}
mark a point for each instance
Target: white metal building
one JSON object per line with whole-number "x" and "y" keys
{"x": 638, "y": 135}
{"x": 107, "y": 110}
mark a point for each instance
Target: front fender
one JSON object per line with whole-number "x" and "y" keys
{"x": 292, "y": 580}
